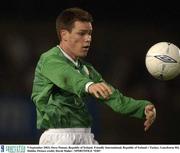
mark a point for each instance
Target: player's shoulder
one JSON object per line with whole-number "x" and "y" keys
{"x": 51, "y": 56}
{"x": 51, "y": 52}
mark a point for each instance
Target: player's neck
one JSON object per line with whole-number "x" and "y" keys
{"x": 67, "y": 50}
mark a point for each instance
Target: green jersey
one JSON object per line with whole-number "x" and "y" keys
{"x": 60, "y": 96}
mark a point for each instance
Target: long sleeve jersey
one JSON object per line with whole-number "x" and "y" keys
{"x": 60, "y": 97}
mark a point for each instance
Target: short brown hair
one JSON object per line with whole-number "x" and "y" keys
{"x": 66, "y": 19}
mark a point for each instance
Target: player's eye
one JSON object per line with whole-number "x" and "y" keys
{"x": 81, "y": 33}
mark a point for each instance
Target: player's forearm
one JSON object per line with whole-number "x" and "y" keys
{"x": 126, "y": 105}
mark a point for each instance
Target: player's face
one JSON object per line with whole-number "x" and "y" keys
{"x": 79, "y": 39}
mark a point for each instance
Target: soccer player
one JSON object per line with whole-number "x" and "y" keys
{"x": 63, "y": 80}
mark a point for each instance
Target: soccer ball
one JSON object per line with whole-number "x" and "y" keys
{"x": 163, "y": 61}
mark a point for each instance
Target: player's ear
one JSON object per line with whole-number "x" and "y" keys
{"x": 64, "y": 34}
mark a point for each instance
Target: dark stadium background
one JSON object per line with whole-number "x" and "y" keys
{"x": 123, "y": 32}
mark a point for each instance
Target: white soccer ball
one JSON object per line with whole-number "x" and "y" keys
{"x": 163, "y": 61}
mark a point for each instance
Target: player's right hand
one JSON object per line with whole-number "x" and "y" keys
{"x": 100, "y": 90}
{"x": 150, "y": 113}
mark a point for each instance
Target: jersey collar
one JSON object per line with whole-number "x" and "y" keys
{"x": 76, "y": 63}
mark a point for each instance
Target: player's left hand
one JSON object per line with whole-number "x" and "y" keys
{"x": 150, "y": 113}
